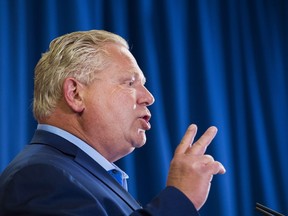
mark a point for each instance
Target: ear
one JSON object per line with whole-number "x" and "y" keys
{"x": 73, "y": 94}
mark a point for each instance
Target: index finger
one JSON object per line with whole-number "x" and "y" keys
{"x": 199, "y": 147}
{"x": 187, "y": 139}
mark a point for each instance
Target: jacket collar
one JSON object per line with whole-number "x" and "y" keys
{"x": 80, "y": 157}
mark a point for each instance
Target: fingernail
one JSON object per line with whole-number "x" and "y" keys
{"x": 193, "y": 126}
{"x": 214, "y": 129}
{"x": 224, "y": 170}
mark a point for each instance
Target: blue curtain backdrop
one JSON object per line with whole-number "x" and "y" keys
{"x": 209, "y": 62}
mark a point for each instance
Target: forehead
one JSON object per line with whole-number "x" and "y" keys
{"x": 123, "y": 61}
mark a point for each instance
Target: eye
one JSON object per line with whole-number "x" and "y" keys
{"x": 131, "y": 82}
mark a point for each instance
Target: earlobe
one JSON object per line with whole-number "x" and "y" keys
{"x": 72, "y": 90}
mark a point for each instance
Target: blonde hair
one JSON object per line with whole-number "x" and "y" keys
{"x": 79, "y": 55}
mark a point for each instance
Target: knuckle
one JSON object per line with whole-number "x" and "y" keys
{"x": 209, "y": 158}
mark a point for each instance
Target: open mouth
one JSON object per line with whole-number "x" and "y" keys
{"x": 146, "y": 118}
{"x": 145, "y": 121}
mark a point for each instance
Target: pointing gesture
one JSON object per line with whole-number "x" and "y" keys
{"x": 191, "y": 170}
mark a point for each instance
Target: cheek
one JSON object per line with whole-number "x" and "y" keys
{"x": 118, "y": 108}
{"x": 124, "y": 97}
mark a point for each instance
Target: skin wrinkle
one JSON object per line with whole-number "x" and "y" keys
{"x": 118, "y": 90}
{"x": 109, "y": 113}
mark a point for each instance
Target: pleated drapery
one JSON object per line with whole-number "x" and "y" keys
{"x": 208, "y": 62}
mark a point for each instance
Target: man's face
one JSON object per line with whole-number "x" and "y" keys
{"x": 116, "y": 115}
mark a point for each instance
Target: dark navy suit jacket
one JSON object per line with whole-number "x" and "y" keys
{"x": 51, "y": 176}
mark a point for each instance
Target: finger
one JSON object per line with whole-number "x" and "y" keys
{"x": 206, "y": 159}
{"x": 187, "y": 139}
{"x": 199, "y": 147}
{"x": 222, "y": 169}
{"x": 215, "y": 167}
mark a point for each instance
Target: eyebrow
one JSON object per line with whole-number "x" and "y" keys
{"x": 137, "y": 76}
{"x": 144, "y": 80}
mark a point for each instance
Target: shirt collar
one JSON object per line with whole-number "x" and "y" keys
{"x": 94, "y": 154}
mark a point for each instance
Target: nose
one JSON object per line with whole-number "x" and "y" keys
{"x": 145, "y": 97}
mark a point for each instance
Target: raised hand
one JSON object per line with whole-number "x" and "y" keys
{"x": 191, "y": 170}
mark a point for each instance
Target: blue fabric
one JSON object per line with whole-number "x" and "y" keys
{"x": 117, "y": 175}
{"x": 51, "y": 168}
{"x": 221, "y": 63}
{"x": 79, "y": 143}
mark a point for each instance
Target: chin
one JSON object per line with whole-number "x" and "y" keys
{"x": 140, "y": 140}
{"x": 122, "y": 154}
{"x": 139, "y": 143}
{"x": 127, "y": 151}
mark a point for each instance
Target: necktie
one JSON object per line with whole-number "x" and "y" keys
{"x": 118, "y": 177}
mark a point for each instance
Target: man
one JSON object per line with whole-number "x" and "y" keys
{"x": 90, "y": 101}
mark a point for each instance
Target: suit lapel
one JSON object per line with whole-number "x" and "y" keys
{"x": 80, "y": 157}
